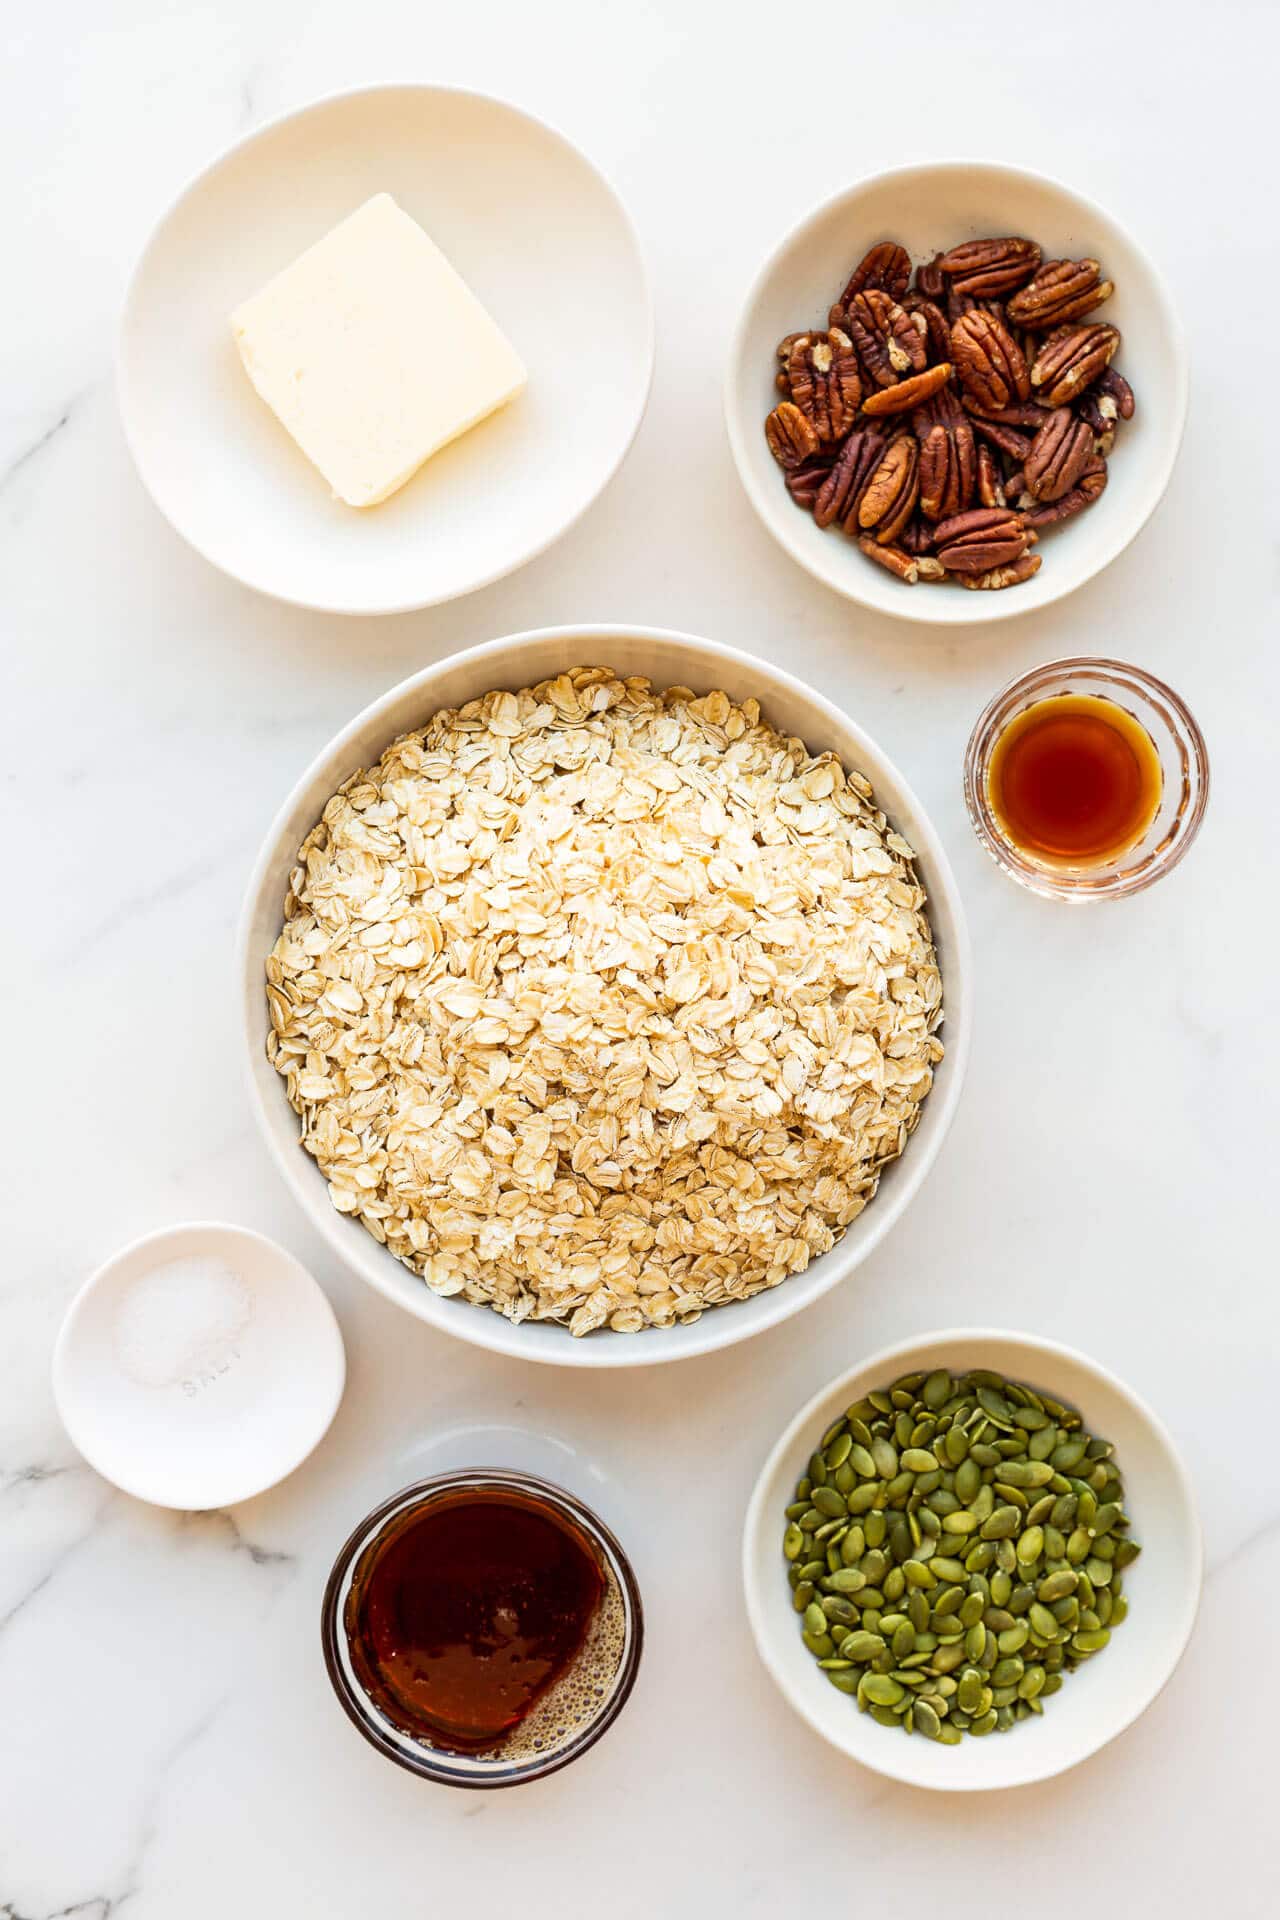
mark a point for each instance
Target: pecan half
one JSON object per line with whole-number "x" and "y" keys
{"x": 804, "y": 483}
{"x": 892, "y": 492}
{"x": 916, "y": 536}
{"x": 823, "y": 376}
{"x": 930, "y": 279}
{"x": 983, "y": 538}
{"x": 888, "y": 341}
{"x": 1005, "y": 439}
{"x": 988, "y": 361}
{"x": 910, "y": 393}
{"x": 886, "y": 266}
{"x": 1070, "y": 359}
{"x": 990, "y": 486}
{"x": 948, "y": 461}
{"x": 1121, "y": 392}
{"x": 1101, "y": 415}
{"x": 1087, "y": 489}
{"x": 1059, "y": 455}
{"x": 986, "y": 267}
{"x": 937, "y": 334}
{"x": 1007, "y": 576}
{"x": 842, "y": 490}
{"x": 1062, "y": 290}
{"x": 904, "y": 566}
{"x": 1023, "y": 413}
{"x": 790, "y": 435}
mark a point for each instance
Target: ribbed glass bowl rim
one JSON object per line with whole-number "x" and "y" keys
{"x": 1078, "y": 889}
{"x": 440, "y": 1767}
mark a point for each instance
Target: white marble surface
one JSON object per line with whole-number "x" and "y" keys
{"x": 168, "y": 1745}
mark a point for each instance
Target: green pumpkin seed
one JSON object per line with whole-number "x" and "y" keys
{"x": 1042, "y": 1621}
{"x": 829, "y": 1503}
{"x": 883, "y": 1691}
{"x": 847, "y": 1580}
{"x": 1056, "y": 1586}
{"x": 1001, "y": 1524}
{"x": 926, "y": 1720}
{"x": 959, "y": 1523}
{"x": 1026, "y": 1473}
{"x": 1029, "y": 1546}
{"x": 793, "y": 1542}
{"x": 996, "y": 1407}
{"x": 936, "y": 1390}
{"x": 904, "y": 1641}
{"x": 853, "y": 1546}
{"x": 947, "y": 1569}
{"x": 838, "y": 1449}
{"x": 861, "y": 1646}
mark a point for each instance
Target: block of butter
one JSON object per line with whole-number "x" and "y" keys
{"x": 374, "y": 353}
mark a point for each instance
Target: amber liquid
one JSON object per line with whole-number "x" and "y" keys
{"x": 1074, "y": 780}
{"x": 466, "y": 1610}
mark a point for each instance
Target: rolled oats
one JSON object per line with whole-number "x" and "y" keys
{"x": 603, "y": 1006}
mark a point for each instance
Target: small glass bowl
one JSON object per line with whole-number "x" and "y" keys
{"x": 1184, "y": 765}
{"x": 416, "y": 1754}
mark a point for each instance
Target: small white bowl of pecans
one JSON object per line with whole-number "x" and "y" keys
{"x": 956, "y": 392}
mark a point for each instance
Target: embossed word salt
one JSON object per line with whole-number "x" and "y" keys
{"x": 180, "y": 1324}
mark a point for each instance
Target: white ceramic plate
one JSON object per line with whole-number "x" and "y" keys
{"x": 927, "y": 208}
{"x": 1098, "y": 1701}
{"x": 190, "y": 1426}
{"x": 669, "y": 659}
{"x": 538, "y": 235}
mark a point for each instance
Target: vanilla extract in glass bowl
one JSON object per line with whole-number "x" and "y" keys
{"x": 1086, "y": 779}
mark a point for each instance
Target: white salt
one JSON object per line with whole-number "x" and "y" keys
{"x": 180, "y": 1320}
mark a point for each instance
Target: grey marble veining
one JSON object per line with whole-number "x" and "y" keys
{"x": 169, "y": 1749}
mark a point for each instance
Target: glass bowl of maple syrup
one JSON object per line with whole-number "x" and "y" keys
{"x": 482, "y": 1628}
{"x": 1086, "y": 779}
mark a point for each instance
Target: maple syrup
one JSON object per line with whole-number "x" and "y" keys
{"x": 1074, "y": 780}
{"x": 468, "y": 1610}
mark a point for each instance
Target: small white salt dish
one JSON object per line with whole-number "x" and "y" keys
{"x": 199, "y": 1366}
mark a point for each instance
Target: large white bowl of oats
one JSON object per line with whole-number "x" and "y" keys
{"x": 606, "y": 993}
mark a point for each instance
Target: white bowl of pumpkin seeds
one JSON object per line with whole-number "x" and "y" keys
{"x": 973, "y": 1560}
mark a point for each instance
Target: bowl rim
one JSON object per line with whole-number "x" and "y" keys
{"x": 196, "y": 181}
{"x": 922, "y": 610}
{"x": 717, "y": 1328}
{"x": 898, "y": 1357}
{"x": 68, "y": 1406}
